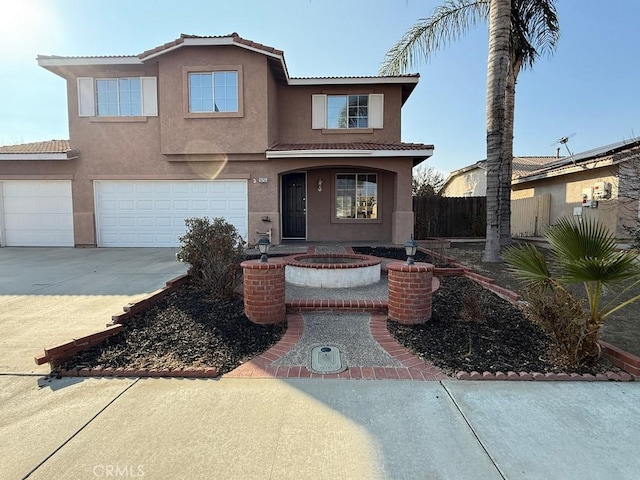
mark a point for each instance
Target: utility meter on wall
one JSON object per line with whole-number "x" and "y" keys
{"x": 587, "y": 196}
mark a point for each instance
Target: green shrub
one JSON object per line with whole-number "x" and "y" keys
{"x": 584, "y": 252}
{"x": 214, "y": 249}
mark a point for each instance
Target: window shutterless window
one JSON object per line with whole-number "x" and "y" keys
{"x": 213, "y": 92}
{"x": 357, "y": 195}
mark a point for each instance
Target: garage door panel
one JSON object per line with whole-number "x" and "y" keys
{"x": 37, "y": 213}
{"x": 161, "y": 208}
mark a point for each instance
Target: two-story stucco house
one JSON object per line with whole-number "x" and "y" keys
{"x": 216, "y": 127}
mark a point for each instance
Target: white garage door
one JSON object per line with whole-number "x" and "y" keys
{"x": 149, "y": 213}
{"x": 36, "y": 213}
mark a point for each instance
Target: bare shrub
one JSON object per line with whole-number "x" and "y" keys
{"x": 473, "y": 308}
{"x": 562, "y": 317}
{"x": 214, "y": 249}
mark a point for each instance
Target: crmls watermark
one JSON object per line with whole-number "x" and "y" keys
{"x": 118, "y": 471}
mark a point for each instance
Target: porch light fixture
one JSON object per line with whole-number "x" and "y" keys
{"x": 320, "y": 185}
{"x": 410, "y": 247}
{"x": 263, "y": 246}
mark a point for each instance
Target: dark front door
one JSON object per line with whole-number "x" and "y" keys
{"x": 294, "y": 206}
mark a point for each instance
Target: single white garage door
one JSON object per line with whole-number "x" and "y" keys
{"x": 36, "y": 213}
{"x": 150, "y": 213}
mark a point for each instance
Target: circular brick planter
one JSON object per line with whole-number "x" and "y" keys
{"x": 410, "y": 292}
{"x": 264, "y": 291}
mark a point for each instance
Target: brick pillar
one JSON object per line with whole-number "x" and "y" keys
{"x": 264, "y": 289}
{"x": 410, "y": 292}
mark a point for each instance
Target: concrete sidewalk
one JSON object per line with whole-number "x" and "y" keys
{"x": 320, "y": 429}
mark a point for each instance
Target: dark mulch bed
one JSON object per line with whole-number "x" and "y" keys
{"x": 185, "y": 329}
{"x": 471, "y": 329}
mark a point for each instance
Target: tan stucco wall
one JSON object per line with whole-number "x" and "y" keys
{"x": 181, "y": 133}
{"x": 566, "y": 193}
{"x": 468, "y": 184}
{"x": 294, "y": 106}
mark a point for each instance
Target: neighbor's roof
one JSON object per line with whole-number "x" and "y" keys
{"x": 519, "y": 166}
{"x": 56, "y": 63}
{"x": 601, "y": 156}
{"x": 47, "y": 150}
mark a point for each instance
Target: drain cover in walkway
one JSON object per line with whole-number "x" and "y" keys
{"x": 326, "y": 360}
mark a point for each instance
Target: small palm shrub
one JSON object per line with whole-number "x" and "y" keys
{"x": 582, "y": 252}
{"x": 214, "y": 249}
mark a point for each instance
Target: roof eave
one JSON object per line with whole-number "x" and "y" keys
{"x": 34, "y": 156}
{"x": 342, "y": 153}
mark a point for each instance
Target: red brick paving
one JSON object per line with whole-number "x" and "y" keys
{"x": 413, "y": 368}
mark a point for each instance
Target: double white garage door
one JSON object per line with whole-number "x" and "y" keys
{"x": 152, "y": 213}
{"x": 128, "y": 213}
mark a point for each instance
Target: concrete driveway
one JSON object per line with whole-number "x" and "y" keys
{"x": 51, "y": 295}
{"x": 85, "y": 428}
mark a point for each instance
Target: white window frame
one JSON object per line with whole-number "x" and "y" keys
{"x": 356, "y": 218}
{"x": 187, "y": 70}
{"x": 319, "y": 112}
{"x": 215, "y": 100}
{"x": 88, "y": 99}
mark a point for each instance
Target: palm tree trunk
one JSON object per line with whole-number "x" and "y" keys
{"x": 497, "y": 73}
{"x": 506, "y": 168}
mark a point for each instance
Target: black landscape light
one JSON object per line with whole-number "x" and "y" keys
{"x": 410, "y": 247}
{"x": 263, "y": 246}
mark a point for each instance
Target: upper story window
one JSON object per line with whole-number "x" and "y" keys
{"x": 347, "y": 112}
{"x": 213, "y": 92}
{"x": 119, "y": 97}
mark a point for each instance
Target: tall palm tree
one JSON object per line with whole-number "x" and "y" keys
{"x": 534, "y": 31}
{"x": 497, "y": 73}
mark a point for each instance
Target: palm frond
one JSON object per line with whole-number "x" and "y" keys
{"x": 573, "y": 240}
{"x": 535, "y": 30}
{"x": 527, "y": 264}
{"x": 447, "y": 23}
{"x": 607, "y": 271}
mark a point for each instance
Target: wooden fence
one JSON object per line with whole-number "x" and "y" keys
{"x": 449, "y": 217}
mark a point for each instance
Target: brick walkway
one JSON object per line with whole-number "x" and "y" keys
{"x": 413, "y": 368}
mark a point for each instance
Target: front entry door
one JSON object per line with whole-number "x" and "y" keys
{"x": 294, "y": 206}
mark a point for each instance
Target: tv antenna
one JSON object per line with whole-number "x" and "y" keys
{"x": 564, "y": 141}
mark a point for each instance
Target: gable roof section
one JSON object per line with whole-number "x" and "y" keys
{"x": 47, "y": 150}
{"x": 520, "y": 166}
{"x": 597, "y": 157}
{"x": 275, "y": 56}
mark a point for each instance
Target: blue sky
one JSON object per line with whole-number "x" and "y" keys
{"x": 588, "y": 87}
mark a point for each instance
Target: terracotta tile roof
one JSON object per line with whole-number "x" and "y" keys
{"x": 236, "y": 38}
{"x": 349, "y": 146}
{"x": 49, "y": 146}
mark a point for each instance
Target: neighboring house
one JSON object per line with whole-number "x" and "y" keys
{"x": 471, "y": 181}
{"x": 601, "y": 183}
{"x": 213, "y": 126}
